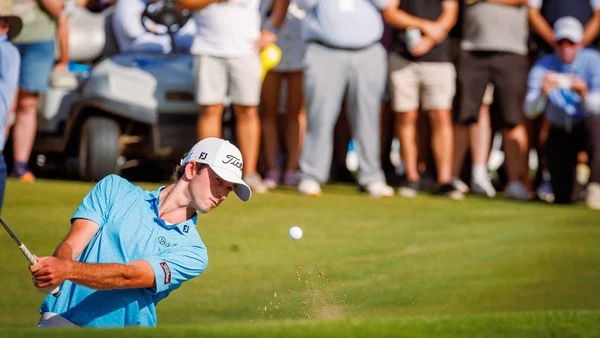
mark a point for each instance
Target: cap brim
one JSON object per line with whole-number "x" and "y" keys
{"x": 570, "y": 37}
{"x": 242, "y": 190}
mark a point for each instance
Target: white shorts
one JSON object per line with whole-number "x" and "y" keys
{"x": 52, "y": 320}
{"x": 218, "y": 77}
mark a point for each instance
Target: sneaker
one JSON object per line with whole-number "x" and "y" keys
{"x": 460, "y": 185}
{"x": 449, "y": 190}
{"x": 309, "y": 187}
{"x": 517, "y": 191}
{"x": 544, "y": 192}
{"x": 272, "y": 179}
{"x": 593, "y": 196}
{"x": 290, "y": 179}
{"x": 483, "y": 186}
{"x": 26, "y": 177}
{"x": 409, "y": 189}
{"x": 379, "y": 189}
{"x": 255, "y": 182}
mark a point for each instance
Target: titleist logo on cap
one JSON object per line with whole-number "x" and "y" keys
{"x": 234, "y": 161}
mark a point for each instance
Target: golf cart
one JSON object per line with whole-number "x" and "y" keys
{"x": 125, "y": 109}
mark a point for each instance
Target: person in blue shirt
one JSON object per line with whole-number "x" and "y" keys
{"x": 10, "y": 60}
{"x": 128, "y": 248}
{"x": 565, "y": 87}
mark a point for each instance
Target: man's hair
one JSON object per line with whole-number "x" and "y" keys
{"x": 180, "y": 169}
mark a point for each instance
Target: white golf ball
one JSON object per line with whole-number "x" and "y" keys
{"x": 295, "y": 233}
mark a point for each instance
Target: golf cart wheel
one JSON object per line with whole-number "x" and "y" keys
{"x": 99, "y": 148}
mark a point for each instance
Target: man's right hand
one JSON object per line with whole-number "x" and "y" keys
{"x": 550, "y": 82}
{"x": 435, "y": 31}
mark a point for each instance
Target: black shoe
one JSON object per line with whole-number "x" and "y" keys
{"x": 450, "y": 191}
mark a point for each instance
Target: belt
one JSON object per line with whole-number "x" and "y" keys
{"x": 350, "y": 49}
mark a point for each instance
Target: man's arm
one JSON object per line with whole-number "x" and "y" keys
{"x": 81, "y": 233}
{"x": 538, "y": 23}
{"x": 62, "y": 31}
{"x": 592, "y": 27}
{"x": 52, "y": 271}
{"x": 516, "y": 3}
{"x": 306, "y": 4}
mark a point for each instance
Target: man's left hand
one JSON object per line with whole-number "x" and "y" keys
{"x": 579, "y": 86}
{"x": 423, "y": 46}
{"x": 50, "y": 271}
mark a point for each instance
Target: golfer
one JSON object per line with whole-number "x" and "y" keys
{"x": 128, "y": 248}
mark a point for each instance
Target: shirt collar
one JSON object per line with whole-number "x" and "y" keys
{"x": 184, "y": 227}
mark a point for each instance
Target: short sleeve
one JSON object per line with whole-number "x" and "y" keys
{"x": 595, "y": 4}
{"x": 178, "y": 266}
{"x": 537, "y": 4}
{"x": 96, "y": 205}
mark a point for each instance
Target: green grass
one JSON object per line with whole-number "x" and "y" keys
{"x": 427, "y": 267}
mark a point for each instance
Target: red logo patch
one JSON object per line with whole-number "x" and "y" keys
{"x": 167, "y": 272}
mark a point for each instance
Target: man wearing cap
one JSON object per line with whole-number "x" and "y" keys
{"x": 565, "y": 86}
{"x": 10, "y": 60}
{"x": 128, "y": 248}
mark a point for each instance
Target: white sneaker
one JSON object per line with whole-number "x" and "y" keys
{"x": 309, "y": 187}
{"x": 517, "y": 191}
{"x": 483, "y": 186}
{"x": 255, "y": 182}
{"x": 544, "y": 192}
{"x": 409, "y": 189}
{"x": 460, "y": 185}
{"x": 593, "y": 196}
{"x": 379, "y": 189}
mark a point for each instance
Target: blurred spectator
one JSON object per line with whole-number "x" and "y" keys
{"x": 494, "y": 50}
{"x": 544, "y": 13}
{"x": 422, "y": 77}
{"x": 42, "y": 21}
{"x": 10, "y": 59}
{"x": 565, "y": 86}
{"x": 133, "y": 37}
{"x": 227, "y": 64}
{"x": 289, "y": 69}
{"x": 343, "y": 58}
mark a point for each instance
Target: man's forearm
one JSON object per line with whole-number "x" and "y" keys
{"x": 592, "y": 28}
{"x": 65, "y": 251}
{"x": 280, "y": 9}
{"x": 540, "y": 25}
{"x": 108, "y": 276}
{"x": 402, "y": 20}
{"x": 510, "y": 2}
{"x": 449, "y": 15}
{"x": 63, "y": 38}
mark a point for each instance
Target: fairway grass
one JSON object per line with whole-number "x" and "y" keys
{"x": 426, "y": 267}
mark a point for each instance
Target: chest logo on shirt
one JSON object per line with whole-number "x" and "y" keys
{"x": 167, "y": 272}
{"x": 163, "y": 241}
{"x": 186, "y": 229}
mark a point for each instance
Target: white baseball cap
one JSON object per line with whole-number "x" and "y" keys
{"x": 568, "y": 28}
{"x": 224, "y": 159}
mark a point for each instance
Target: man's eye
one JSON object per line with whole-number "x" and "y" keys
{"x": 230, "y": 189}
{"x": 219, "y": 180}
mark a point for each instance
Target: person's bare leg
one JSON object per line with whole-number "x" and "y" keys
{"x": 11, "y": 115}
{"x": 25, "y": 126}
{"x": 210, "y": 121}
{"x": 406, "y": 130}
{"x": 269, "y": 106}
{"x": 248, "y": 135}
{"x": 515, "y": 150}
{"x": 296, "y": 121}
{"x": 442, "y": 144}
{"x": 481, "y": 137}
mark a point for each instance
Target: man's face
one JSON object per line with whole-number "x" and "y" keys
{"x": 207, "y": 190}
{"x": 4, "y": 27}
{"x": 567, "y": 50}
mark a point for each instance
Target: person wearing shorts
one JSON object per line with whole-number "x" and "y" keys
{"x": 495, "y": 51}
{"x": 36, "y": 46}
{"x": 227, "y": 66}
{"x": 128, "y": 249}
{"x": 422, "y": 78}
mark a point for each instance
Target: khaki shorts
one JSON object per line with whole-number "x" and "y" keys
{"x": 236, "y": 77}
{"x": 428, "y": 85}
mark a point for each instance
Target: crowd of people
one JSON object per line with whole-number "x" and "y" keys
{"x": 440, "y": 76}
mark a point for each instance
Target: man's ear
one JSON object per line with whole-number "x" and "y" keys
{"x": 190, "y": 170}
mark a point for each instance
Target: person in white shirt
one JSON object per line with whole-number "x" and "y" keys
{"x": 133, "y": 37}
{"x": 227, "y": 65}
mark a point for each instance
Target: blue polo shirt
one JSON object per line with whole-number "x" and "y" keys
{"x": 130, "y": 229}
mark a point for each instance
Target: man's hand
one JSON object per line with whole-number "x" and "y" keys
{"x": 550, "y": 82}
{"x": 50, "y": 271}
{"x": 579, "y": 86}
{"x": 435, "y": 31}
{"x": 423, "y": 46}
{"x": 266, "y": 38}
{"x": 61, "y": 67}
